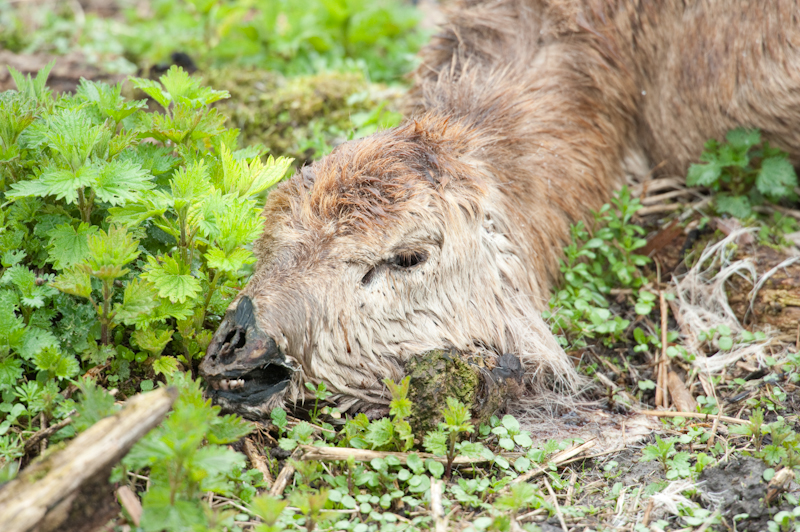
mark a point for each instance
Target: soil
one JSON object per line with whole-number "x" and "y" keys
{"x": 737, "y": 487}
{"x": 777, "y": 302}
{"x": 65, "y": 76}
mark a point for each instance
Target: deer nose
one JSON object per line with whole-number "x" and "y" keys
{"x": 237, "y": 338}
{"x": 242, "y": 363}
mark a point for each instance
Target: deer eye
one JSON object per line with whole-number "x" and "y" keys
{"x": 409, "y": 259}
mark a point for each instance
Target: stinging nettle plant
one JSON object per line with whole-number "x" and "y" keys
{"x": 123, "y": 233}
{"x": 744, "y": 172}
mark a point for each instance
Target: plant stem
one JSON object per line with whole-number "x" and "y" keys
{"x": 450, "y": 456}
{"x": 212, "y": 286}
{"x": 84, "y": 206}
{"x": 104, "y": 317}
{"x": 182, "y": 244}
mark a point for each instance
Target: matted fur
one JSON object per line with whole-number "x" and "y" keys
{"x": 522, "y": 116}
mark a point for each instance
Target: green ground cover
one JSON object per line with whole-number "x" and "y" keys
{"x": 128, "y": 214}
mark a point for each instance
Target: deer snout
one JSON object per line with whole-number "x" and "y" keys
{"x": 243, "y": 365}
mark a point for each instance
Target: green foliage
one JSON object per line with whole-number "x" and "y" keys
{"x": 743, "y": 172}
{"x": 595, "y": 262}
{"x": 443, "y": 441}
{"x": 393, "y": 434}
{"x": 115, "y": 250}
{"x": 294, "y": 37}
{"x": 181, "y": 467}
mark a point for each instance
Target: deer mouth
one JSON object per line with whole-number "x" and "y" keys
{"x": 252, "y": 387}
{"x": 244, "y": 367}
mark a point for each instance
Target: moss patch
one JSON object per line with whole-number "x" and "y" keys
{"x": 303, "y": 117}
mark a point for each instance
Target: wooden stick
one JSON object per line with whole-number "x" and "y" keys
{"x": 333, "y": 454}
{"x": 437, "y": 510}
{"x": 46, "y": 433}
{"x": 658, "y": 209}
{"x": 129, "y": 501}
{"x": 571, "y": 489}
{"x": 559, "y": 458}
{"x": 693, "y": 415}
{"x": 284, "y": 476}
{"x": 45, "y": 495}
{"x": 681, "y": 397}
{"x": 258, "y": 461}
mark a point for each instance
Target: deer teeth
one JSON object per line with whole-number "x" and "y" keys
{"x": 228, "y": 384}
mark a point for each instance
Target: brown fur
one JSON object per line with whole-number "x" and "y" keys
{"x": 525, "y": 115}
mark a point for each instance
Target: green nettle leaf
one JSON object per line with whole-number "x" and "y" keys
{"x": 231, "y": 262}
{"x": 379, "y": 433}
{"x": 703, "y": 175}
{"x": 61, "y": 365}
{"x": 108, "y": 99}
{"x": 190, "y": 185}
{"x": 177, "y": 86}
{"x": 138, "y": 299}
{"x": 73, "y": 135}
{"x": 30, "y": 293}
{"x": 69, "y": 245}
{"x": 33, "y": 88}
{"x": 435, "y": 442}
{"x": 149, "y": 204}
{"x": 743, "y": 139}
{"x": 151, "y": 158}
{"x": 738, "y": 206}
{"x": 121, "y": 181}
{"x": 152, "y": 340}
{"x": 217, "y": 460}
{"x": 34, "y": 340}
{"x": 400, "y": 405}
{"x": 228, "y": 429}
{"x": 153, "y": 89}
{"x": 109, "y": 252}
{"x": 165, "y": 365}
{"x": 776, "y": 178}
{"x": 74, "y": 282}
{"x": 184, "y": 89}
{"x": 12, "y": 257}
{"x": 249, "y": 179}
{"x": 172, "y": 279}
{"x": 61, "y": 183}
{"x": 10, "y": 372}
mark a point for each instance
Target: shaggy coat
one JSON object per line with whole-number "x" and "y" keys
{"x": 525, "y": 115}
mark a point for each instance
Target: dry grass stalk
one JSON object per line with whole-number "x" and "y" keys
{"x": 333, "y": 454}
{"x": 563, "y": 457}
{"x": 662, "y": 393}
{"x": 693, "y": 415}
{"x": 555, "y": 504}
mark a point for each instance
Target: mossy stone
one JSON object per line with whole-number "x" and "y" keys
{"x": 442, "y": 373}
{"x": 435, "y": 376}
